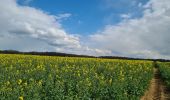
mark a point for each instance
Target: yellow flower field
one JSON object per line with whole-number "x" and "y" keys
{"x": 26, "y": 77}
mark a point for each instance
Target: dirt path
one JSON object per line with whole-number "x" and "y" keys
{"x": 157, "y": 90}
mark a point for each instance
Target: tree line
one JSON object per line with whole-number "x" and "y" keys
{"x": 75, "y": 55}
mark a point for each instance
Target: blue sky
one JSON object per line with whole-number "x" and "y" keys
{"x": 133, "y": 28}
{"x": 88, "y": 16}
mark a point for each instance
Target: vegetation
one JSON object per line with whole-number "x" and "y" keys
{"x": 165, "y": 72}
{"x": 74, "y": 55}
{"x": 43, "y": 78}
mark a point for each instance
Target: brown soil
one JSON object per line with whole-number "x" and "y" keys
{"x": 157, "y": 90}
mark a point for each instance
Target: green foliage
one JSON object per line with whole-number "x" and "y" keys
{"x": 165, "y": 72}
{"x": 61, "y": 78}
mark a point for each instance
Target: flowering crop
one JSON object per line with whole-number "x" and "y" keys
{"x": 26, "y": 77}
{"x": 165, "y": 72}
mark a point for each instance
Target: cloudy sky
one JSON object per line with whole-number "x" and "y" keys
{"x": 133, "y": 28}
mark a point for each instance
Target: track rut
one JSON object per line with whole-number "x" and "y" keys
{"x": 157, "y": 89}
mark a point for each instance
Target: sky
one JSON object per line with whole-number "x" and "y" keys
{"x": 132, "y": 28}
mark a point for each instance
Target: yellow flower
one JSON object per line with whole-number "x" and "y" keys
{"x": 21, "y": 98}
{"x": 38, "y": 66}
{"x": 25, "y": 83}
{"x": 19, "y": 81}
{"x": 110, "y": 81}
{"x": 8, "y": 83}
{"x": 40, "y": 82}
{"x": 79, "y": 74}
{"x": 122, "y": 79}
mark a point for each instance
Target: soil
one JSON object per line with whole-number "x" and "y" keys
{"x": 157, "y": 89}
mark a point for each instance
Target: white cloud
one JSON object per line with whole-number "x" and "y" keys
{"x": 27, "y": 21}
{"x": 21, "y": 25}
{"x": 143, "y": 37}
{"x": 24, "y": 44}
{"x": 125, "y": 16}
{"x": 26, "y": 28}
{"x": 63, "y": 16}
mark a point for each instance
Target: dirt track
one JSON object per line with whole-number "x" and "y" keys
{"x": 157, "y": 90}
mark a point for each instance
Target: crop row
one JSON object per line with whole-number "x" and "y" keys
{"x": 165, "y": 72}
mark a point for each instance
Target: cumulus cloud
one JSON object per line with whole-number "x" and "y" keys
{"x": 21, "y": 22}
{"x": 24, "y": 44}
{"x": 27, "y": 28}
{"x": 141, "y": 37}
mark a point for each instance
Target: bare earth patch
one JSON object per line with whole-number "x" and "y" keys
{"x": 157, "y": 90}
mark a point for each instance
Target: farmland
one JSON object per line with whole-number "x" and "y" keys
{"x": 27, "y": 77}
{"x": 165, "y": 72}
{"x": 38, "y": 77}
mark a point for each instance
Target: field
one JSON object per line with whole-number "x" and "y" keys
{"x": 26, "y": 77}
{"x": 165, "y": 72}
